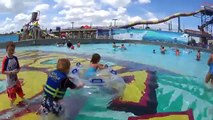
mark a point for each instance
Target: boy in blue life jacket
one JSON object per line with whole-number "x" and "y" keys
{"x": 55, "y": 88}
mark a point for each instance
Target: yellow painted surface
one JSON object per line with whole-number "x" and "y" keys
{"x": 25, "y": 62}
{"x": 33, "y": 84}
{"x": 137, "y": 86}
{"x": 29, "y": 116}
{"x": 2, "y": 77}
{"x": 117, "y": 67}
{"x": 38, "y": 64}
{"x": 171, "y": 117}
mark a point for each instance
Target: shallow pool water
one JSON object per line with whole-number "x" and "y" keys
{"x": 185, "y": 64}
{"x": 179, "y": 79}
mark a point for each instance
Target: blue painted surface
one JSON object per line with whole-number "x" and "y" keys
{"x": 150, "y": 35}
{"x": 6, "y": 38}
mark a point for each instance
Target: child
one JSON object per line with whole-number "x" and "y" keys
{"x": 198, "y": 55}
{"x": 79, "y": 44}
{"x": 177, "y": 52}
{"x": 123, "y": 47}
{"x": 154, "y": 51}
{"x": 163, "y": 50}
{"x": 209, "y": 76}
{"x": 94, "y": 66}
{"x": 114, "y": 45}
{"x": 70, "y": 45}
{"x": 55, "y": 88}
{"x": 11, "y": 67}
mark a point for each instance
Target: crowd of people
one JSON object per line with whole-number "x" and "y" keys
{"x": 177, "y": 52}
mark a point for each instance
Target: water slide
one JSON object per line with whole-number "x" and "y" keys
{"x": 162, "y": 20}
{"x": 205, "y": 24}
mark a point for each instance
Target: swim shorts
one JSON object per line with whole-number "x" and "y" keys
{"x": 49, "y": 105}
{"x": 16, "y": 89}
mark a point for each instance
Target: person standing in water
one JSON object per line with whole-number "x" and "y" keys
{"x": 123, "y": 47}
{"x": 177, "y": 52}
{"x": 163, "y": 50}
{"x": 209, "y": 76}
{"x": 79, "y": 44}
{"x": 198, "y": 55}
{"x": 114, "y": 45}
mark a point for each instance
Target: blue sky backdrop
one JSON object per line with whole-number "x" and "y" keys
{"x": 15, "y": 13}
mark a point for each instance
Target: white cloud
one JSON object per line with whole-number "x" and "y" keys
{"x": 16, "y": 6}
{"x": 151, "y": 16}
{"x": 82, "y": 12}
{"x": 15, "y": 24}
{"x": 116, "y": 3}
{"x": 73, "y": 3}
{"x": 94, "y": 15}
{"x": 144, "y": 1}
{"x": 21, "y": 17}
{"x": 41, "y": 7}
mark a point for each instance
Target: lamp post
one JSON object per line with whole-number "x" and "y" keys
{"x": 72, "y": 24}
{"x": 114, "y": 22}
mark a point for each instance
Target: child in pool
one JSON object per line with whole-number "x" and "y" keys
{"x": 154, "y": 51}
{"x": 177, "y": 52}
{"x": 198, "y": 55}
{"x": 79, "y": 44}
{"x": 94, "y": 66}
{"x": 55, "y": 88}
{"x": 123, "y": 47}
{"x": 209, "y": 76}
{"x": 163, "y": 50}
{"x": 114, "y": 45}
{"x": 70, "y": 45}
{"x": 11, "y": 67}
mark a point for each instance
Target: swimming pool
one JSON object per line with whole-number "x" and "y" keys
{"x": 179, "y": 78}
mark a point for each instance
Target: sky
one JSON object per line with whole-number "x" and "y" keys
{"x": 15, "y": 13}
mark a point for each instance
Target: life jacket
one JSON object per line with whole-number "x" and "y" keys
{"x": 53, "y": 86}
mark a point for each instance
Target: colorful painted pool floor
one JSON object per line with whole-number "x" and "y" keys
{"x": 146, "y": 92}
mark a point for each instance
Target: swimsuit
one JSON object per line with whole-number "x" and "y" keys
{"x": 90, "y": 72}
{"x": 211, "y": 68}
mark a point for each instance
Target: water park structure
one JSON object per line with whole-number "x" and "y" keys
{"x": 31, "y": 30}
{"x": 138, "y": 80}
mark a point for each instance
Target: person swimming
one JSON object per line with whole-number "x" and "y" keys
{"x": 114, "y": 45}
{"x": 79, "y": 44}
{"x": 198, "y": 55}
{"x": 163, "y": 50}
{"x": 94, "y": 66}
{"x": 123, "y": 47}
{"x": 177, "y": 52}
{"x": 70, "y": 45}
{"x": 154, "y": 51}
